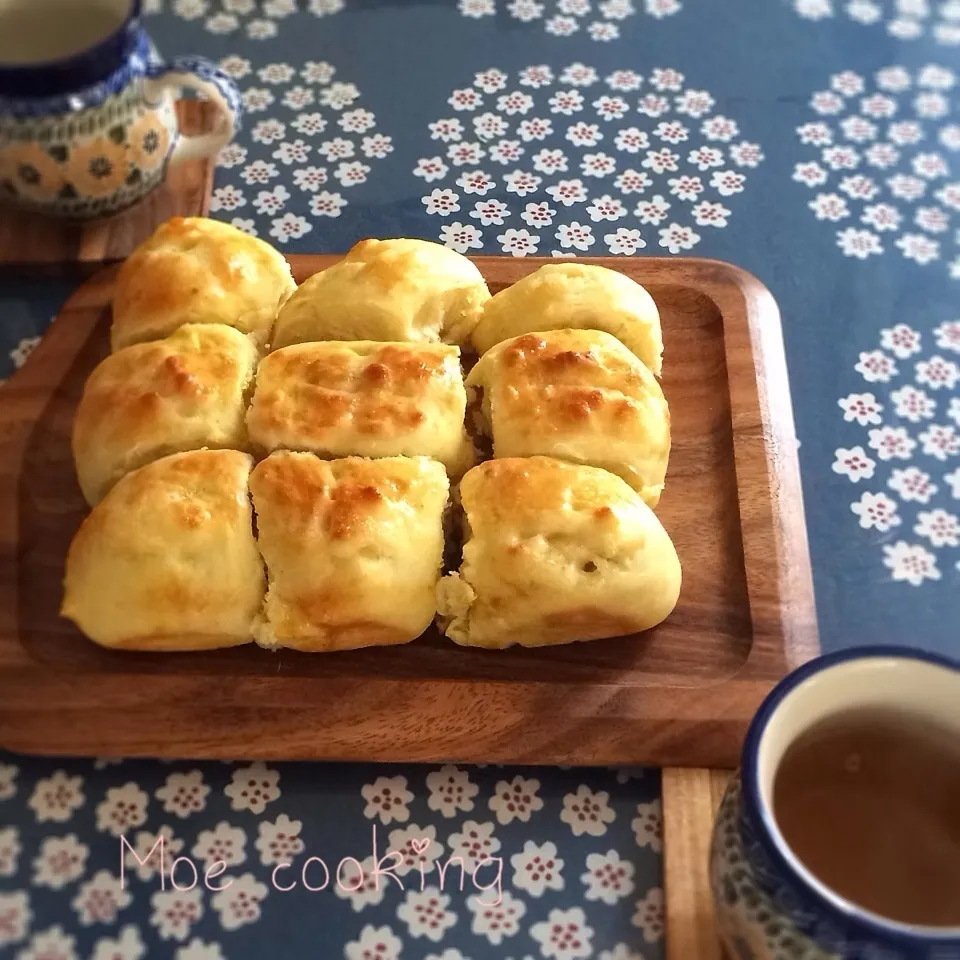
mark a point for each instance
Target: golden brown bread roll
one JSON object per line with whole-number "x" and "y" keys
{"x": 578, "y": 395}
{"x": 555, "y": 553}
{"x": 367, "y": 399}
{"x": 353, "y": 549}
{"x": 387, "y": 290}
{"x": 167, "y": 560}
{"x": 574, "y": 295}
{"x": 196, "y": 270}
{"x": 184, "y": 392}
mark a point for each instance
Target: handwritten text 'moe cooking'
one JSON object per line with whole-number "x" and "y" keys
{"x": 314, "y": 874}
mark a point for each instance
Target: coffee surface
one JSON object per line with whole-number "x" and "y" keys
{"x": 37, "y": 32}
{"x": 870, "y": 803}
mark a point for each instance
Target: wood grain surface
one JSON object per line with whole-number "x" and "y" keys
{"x": 681, "y": 694}
{"x": 690, "y": 799}
{"x": 26, "y": 238}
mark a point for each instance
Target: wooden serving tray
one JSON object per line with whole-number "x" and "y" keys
{"x": 679, "y": 695}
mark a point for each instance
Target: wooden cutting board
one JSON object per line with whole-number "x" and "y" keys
{"x": 679, "y": 695}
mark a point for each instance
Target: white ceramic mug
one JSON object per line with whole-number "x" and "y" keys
{"x": 87, "y": 119}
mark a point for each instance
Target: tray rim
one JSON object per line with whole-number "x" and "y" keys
{"x": 784, "y": 636}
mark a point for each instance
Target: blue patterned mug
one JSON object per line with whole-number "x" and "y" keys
{"x": 88, "y": 124}
{"x": 769, "y": 905}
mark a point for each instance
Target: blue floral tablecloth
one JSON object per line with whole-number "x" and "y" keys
{"x": 815, "y": 143}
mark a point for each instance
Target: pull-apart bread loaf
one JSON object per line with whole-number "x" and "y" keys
{"x": 167, "y": 560}
{"x": 387, "y": 290}
{"x": 187, "y": 391}
{"x": 367, "y": 399}
{"x": 562, "y": 296}
{"x": 353, "y": 549}
{"x": 195, "y": 270}
{"x": 555, "y": 553}
{"x": 577, "y": 395}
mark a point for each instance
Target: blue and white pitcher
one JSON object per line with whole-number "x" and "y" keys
{"x": 87, "y": 120}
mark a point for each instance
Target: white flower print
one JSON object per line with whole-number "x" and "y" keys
{"x": 882, "y": 155}
{"x": 686, "y": 187}
{"x": 288, "y": 153}
{"x": 425, "y": 913}
{"x": 496, "y": 922}
{"x": 694, "y": 103}
{"x": 196, "y": 949}
{"x": 653, "y": 210}
{"x": 587, "y": 812}
{"x": 575, "y": 235}
{"x": 901, "y": 340}
{"x": 351, "y": 174}
{"x": 938, "y": 526}
{"x": 514, "y": 103}
{"x": 954, "y": 410}
{"x": 916, "y": 246}
{"x": 239, "y": 904}
{"x": 326, "y": 204}
{"x": 317, "y": 71}
{"x": 465, "y": 99}
{"x": 676, "y": 238}
{"x": 227, "y": 198}
{"x": 128, "y": 946}
{"x": 606, "y": 208}
{"x": 940, "y": 441}
{"x": 476, "y": 182}
{"x": 608, "y": 878}
{"x": 566, "y": 102}
{"x": 278, "y": 842}
{"x": 358, "y": 882}
{"x": 953, "y": 480}
{"x": 474, "y": 843}
{"x": 252, "y": 788}
{"x": 932, "y": 219}
{"x": 449, "y": 130}
{"x": 184, "y": 793}
{"x": 515, "y": 800}
{"x": 54, "y": 798}
{"x": 189, "y": 9}
{"x": 862, "y": 407}
{"x": 937, "y": 373}
{"x": 620, "y": 952}
{"x": 876, "y": 367}
{"x": 9, "y": 851}
{"x": 491, "y": 80}
{"x": 232, "y": 155}
{"x": 881, "y": 216}
{"x": 913, "y": 404}
{"x": 912, "y": 484}
{"x": 49, "y": 944}
{"x": 550, "y": 161}
{"x": 905, "y": 187}
{"x": 625, "y": 80}
{"x": 357, "y": 121}
{"x": 257, "y": 99}
{"x": 648, "y": 915}
{"x": 235, "y": 67}
{"x": 518, "y": 243}
{"x": 858, "y": 243}
{"x": 932, "y": 106}
{"x": 858, "y": 129}
{"x": 746, "y": 154}
{"x": 598, "y": 165}
{"x": 418, "y": 847}
{"x": 538, "y": 215}
{"x": 661, "y": 161}
{"x": 631, "y": 140}
{"x": 15, "y": 916}
{"x": 310, "y": 179}
{"x": 538, "y": 76}
{"x": 461, "y": 237}
{"x": 506, "y": 151}
{"x": 876, "y": 510}
{"x": 259, "y": 172}
{"x": 892, "y": 443}
{"x": 535, "y": 128}
{"x": 611, "y": 108}
{"x": 224, "y": 843}
{"x": 537, "y": 868}
{"x": 387, "y": 797}
{"x": 562, "y": 26}
{"x": 271, "y": 201}
{"x": 894, "y": 79}
{"x": 378, "y": 146}
{"x": 222, "y": 23}
{"x": 268, "y": 131}
{"x": 704, "y": 158}
{"x": 564, "y": 935}
{"x": 276, "y": 73}
{"x": 853, "y": 464}
{"x": 430, "y": 168}
{"x": 568, "y": 192}
{"x": 339, "y": 95}
{"x": 375, "y": 943}
{"x": 465, "y": 154}
{"x": 100, "y": 899}
{"x": 816, "y": 133}
{"x": 584, "y": 134}
{"x": 910, "y": 563}
{"x": 261, "y": 29}
{"x": 579, "y": 75}
{"x": 441, "y": 202}
{"x": 124, "y": 807}
{"x": 145, "y": 857}
{"x": 337, "y": 149}
{"x": 812, "y": 174}
{"x": 719, "y": 128}
{"x": 648, "y": 825}
{"x": 840, "y": 158}
{"x": 61, "y": 860}
{"x": 829, "y": 206}
{"x": 653, "y": 105}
